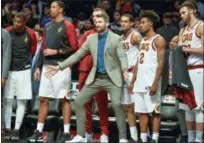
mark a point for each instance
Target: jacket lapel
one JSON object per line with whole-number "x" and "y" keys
{"x": 95, "y": 47}
{"x": 107, "y": 44}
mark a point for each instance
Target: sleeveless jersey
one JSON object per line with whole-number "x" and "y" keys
{"x": 132, "y": 51}
{"x": 192, "y": 40}
{"x": 147, "y": 64}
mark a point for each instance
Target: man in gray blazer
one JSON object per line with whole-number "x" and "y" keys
{"x": 108, "y": 73}
{"x": 5, "y": 61}
{"x": 5, "y": 55}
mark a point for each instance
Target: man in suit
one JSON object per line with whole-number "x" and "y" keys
{"x": 167, "y": 86}
{"x": 101, "y": 98}
{"x": 108, "y": 73}
{"x": 6, "y": 51}
{"x": 6, "y": 56}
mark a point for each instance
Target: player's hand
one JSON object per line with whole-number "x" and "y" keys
{"x": 185, "y": 49}
{"x": 37, "y": 74}
{"x": 3, "y": 81}
{"x": 67, "y": 96}
{"x": 125, "y": 75}
{"x": 130, "y": 88}
{"x": 52, "y": 70}
{"x": 153, "y": 89}
{"x": 49, "y": 52}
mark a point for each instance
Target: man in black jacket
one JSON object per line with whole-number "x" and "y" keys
{"x": 167, "y": 86}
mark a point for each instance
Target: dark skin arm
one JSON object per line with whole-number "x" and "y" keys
{"x": 134, "y": 78}
{"x": 160, "y": 45}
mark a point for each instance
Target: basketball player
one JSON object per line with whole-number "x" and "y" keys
{"x": 131, "y": 41}
{"x": 147, "y": 75}
{"x": 59, "y": 42}
{"x": 18, "y": 84}
{"x": 192, "y": 39}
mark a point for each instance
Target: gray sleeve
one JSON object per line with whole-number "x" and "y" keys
{"x": 76, "y": 57}
{"x": 6, "y": 55}
{"x": 121, "y": 54}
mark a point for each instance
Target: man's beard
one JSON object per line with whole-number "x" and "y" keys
{"x": 101, "y": 29}
{"x": 126, "y": 30}
{"x": 187, "y": 20}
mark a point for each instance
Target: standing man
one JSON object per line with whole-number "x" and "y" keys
{"x": 147, "y": 75}
{"x": 5, "y": 62}
{"x": 101, "y": 98}
{"x": 192, "y": 39}
{"x": 59, "y": 42}
{"x": 131, "y": 41}
{"x": 19, "y": 79}
{"x": 167, "y": 87}
{"x": 108, "y": 73}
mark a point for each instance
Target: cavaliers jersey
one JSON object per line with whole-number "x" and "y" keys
{"x": 147, "y": 64}
{"x": 23, "y": 48}
{"x": 132, "y": 51}
{"x": 192, "y": 40}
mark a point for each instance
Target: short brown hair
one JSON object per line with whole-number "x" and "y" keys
{"x": 60, "y": 4}
{"x": 104, "y": 15}
{"x": 99, "y": 9}
{"x": 151, "y": 15}
{"x": 189, "y": 4}
{"x": 21, "y": 15}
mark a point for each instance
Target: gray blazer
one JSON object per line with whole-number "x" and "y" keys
{"x": 5, "y": 52}
{"x": 115, "y": 59}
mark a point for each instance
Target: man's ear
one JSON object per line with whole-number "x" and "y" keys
{"x": 192, "y": 11}
{"x": 61, "y": 10}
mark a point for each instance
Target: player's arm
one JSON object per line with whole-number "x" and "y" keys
{"x": 136, "y": 38}
{"x": 180, "y": 37}
{"x": 200, "y": 50}
{"x": 134, "y": 77}
{"x": 72, "y": 40}
{"x": 160, "y": 45}
{"x": 121, "y": 55}
{"x": 76, "y": 57}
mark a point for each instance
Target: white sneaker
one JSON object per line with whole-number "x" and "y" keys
{"x": 104, "y": 138}
{"x": 89, "y": 137}
{"x": 77, "y": 139}
{"x": 123, "y": 141}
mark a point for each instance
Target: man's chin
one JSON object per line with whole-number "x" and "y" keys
{"x": 99, "y": 30}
